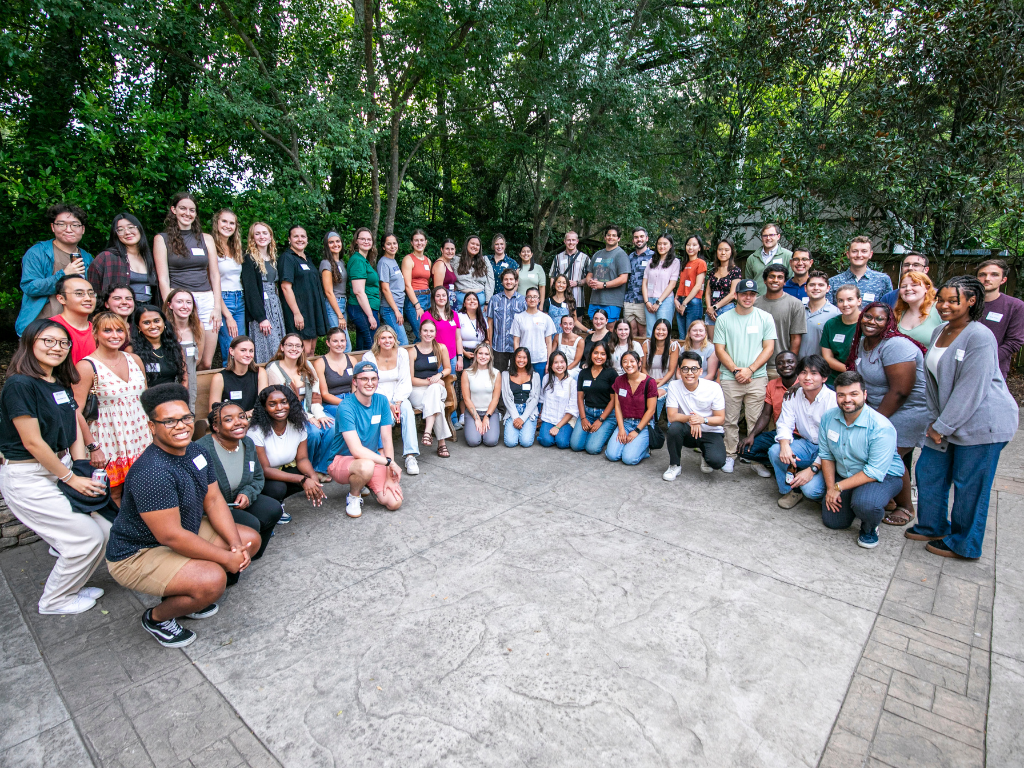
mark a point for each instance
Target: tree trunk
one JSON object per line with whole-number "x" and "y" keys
{"x": 371, "y": 92}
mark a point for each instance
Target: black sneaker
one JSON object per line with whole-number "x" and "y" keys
{"x": 206, "y": 613}
{"x": 168, "y": 633}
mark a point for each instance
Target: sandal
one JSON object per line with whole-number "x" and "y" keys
{"x": 428, "y": 438}
{"x": 442, "y": 451}
{"x": 899, "y": 516}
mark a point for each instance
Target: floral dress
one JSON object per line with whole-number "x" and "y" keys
{"x": 121, "y": 429}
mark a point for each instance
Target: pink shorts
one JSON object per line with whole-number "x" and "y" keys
{"x": 384, "y": 487}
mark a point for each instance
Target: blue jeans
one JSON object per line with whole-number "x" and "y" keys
{"x": 759, "y": 450}
{"x": 727, "y": 308}
{"x": 320, "y": 446}
{"x": 410, "y": 443}
{"x": 409, "y": 310}
{"x": 866, "y": 502}
{"x": 970, "y": 469}
{"x": 540, "y": 368}
{"x": 423, "y": 298}
{"x": 660, "y": 409}
{"x": 236, "y": 306}
{"x": 333, "y": 321}
{"x": 694, "y": 311}
{"x": 665, "y": 310}
{"x": 592, "y": 442}
{"x": 461, "y": 297}
{"x": 614, "y": 313}
{"x": 523, "y": 436}
{"x": 630, "y": 453}
{"x": 805, "y": 452}
{"x": 364, "y": 334}
{"x": 388, "y": 318}
{"x": 561, "y": 439}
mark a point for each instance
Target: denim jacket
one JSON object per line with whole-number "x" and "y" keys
{"x": 38, "y": 282}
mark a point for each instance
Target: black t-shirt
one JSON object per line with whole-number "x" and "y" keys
{"x": 161, "y": 371}
{"x": 597, "y": 392}
{"x": 183, "y": 483}
{"x": 52, "y": 405}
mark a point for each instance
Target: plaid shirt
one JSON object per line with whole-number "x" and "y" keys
{"x": 503, "y": 310}
{"x": 873, "y": 286}
{"x": 107, "y": 269}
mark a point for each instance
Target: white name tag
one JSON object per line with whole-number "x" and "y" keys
{"x": 686, "y": 283}
{"x": 527, "y": 387}
{"x": 235, "y": 394}
{"x": 587, "y": 383}
{"x": 622, "y": 393}
{"x": 152, "y": 367}
{"x": 716, "y": 294}
{"x": 198, "y": 252}
{"x": 375, "y": 419}
{"x": 349, "y": 371}
{"x": 645, "y": 263}
{"x": 60, "y": 397}
{"x": 869, "y": 297}
{"x": 432, "y": 359}
{"x": 833, "y": 436}
{"x": 806, "y": 300}
{"x": 995, "y": 317}
{"x": 252, "y": 466}
{"x": 302, "y": 390}
{"x": 199, "y": 461}
{"x": 451, "y": 323}
{"x": 144, "y": 290}
{"x": 960, "y": 354}
{"x": 776, "y": 261}
{"x": 304, "y": 267}
{"x": 839, "y": 338}
{"x": 752, "y": 329}
{"x": 264, "y": 295}
{"x": 190, "y": 352}
{"x": 858, "y": 361}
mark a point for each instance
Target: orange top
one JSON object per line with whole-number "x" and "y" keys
{"x": 688, "y": 276}
{"x": 420, "y": 273}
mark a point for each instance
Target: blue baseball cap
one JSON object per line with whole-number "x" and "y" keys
{"x": 364, "y": 365}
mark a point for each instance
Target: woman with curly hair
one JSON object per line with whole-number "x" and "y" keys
{"x": 278, "y": 430}
{"x": 304, "y": 301}
{"x": 259, "y": 288}
{"x": 154, "y": 341}
{"x": 915, "y": 313}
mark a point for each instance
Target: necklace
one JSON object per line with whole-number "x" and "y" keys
{"x": 221, "y": 444}
{"x": 159, "y": 355}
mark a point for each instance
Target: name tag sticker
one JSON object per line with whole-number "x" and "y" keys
{"x": 716, "y": 294}
{"x": 858, "y": 361}
{"x": 869, "y": 297}
{"x": 805, "y": 300}
{"x": 145, "y": 290}
{"x": 60, "y": 397}
{"x": 995, "y": 317}
{"x": 264, "y": 295}
{"x": 686, "y": 283}
{"x": 833, "y": 436}
{"x": 752, "y": 329}
{"x": 645, "y": 263}
{"x": 304, "y": 267}
{"x": 375, "y": 419}
{"x": 190, "y": 352}
{"x": 199, "y": 461}
{"x": 777, "y": 260}
{"x": 349, "y": 371}
{"x": 252, "y": 466}
{"x": 236, "y": 394}
{"x": 152, "y": 367}
{"x": 432, "y": 359}
{"x": 302, "y": 390}
{"x": 452, "y": 323}
{"x": 587, "y": 383}
{"x": 960, "y": 354}
{"x": 839, "y": 338}
{"x": 198, "y": 252}
{"x": 527, "y": 387}
{"x": 622, "y": 393}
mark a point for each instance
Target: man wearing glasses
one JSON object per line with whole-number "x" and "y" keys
{"x": 696, "y": 415}
{"x": 912, "y": 262}
{"x": 46, "y": 262}
{"x": 365, "y": 451}
{"x": 78, "y": 300}
{"x": 176, "y": 538}
{"x": 771, "y": 253}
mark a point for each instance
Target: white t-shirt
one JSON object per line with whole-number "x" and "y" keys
{"x": 707, "y": 397}
{"x": 471, "y": 335}
{"x": 230, "y": 274}
{"x": 533, "y": 331}
{"x": 281, "y": 449}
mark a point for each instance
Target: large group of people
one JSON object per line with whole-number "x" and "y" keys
{"x": 839, "y": 380}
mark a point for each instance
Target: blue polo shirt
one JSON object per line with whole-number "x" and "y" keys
{"x": 365, "y": 421}
{"x": 869, "y": 444}
{"x": 796, "y": 291}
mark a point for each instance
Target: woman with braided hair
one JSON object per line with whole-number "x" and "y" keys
{"x": 971, "y": 416}
{"x": 892, "y": 365}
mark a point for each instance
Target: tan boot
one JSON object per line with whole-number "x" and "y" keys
{"x": 791, "y": 499}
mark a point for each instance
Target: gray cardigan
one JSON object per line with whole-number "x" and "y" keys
{"x": 472, "y": 284}
{"x": 511, "y": 412}
{"x": 252, "y": 479}
{"x": 969, "y": 402}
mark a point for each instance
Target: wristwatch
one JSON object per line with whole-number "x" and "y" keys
{"x": 388, "y": 462}
{"x": 705, "y": 420}
{"x": 815, "y": 468}
{"x": 92, "y": 447}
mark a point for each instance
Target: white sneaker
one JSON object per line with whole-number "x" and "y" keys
{"x": 761, "y": 469}
{"x": 93, "y": 593}
{"x": 730, "y": 464}
{"x": 75, "y": 604}
{"x": 354, "y": 506}
{"x": 54, "y": 552}
{"x": 704, "y": 467}
{"x": 412, "y": 467}
{"x": 672, "y": 472}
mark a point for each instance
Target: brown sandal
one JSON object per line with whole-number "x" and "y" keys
{"x": 899, "y": 516}
{"x": 442, "y": 451}
{"x": 428, "y": 438}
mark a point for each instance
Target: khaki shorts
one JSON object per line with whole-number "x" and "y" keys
{"x": 633, "y": 311}
{"x": 151, "y": 570}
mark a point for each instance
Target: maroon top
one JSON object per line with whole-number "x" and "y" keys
{"x": 634, "y": 404}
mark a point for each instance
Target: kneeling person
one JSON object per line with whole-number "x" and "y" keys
{"x": 859, "y": 461}
{"x": 696, "y": 413}
{"x": 361, "y": 420}
{"x": 175, "y": 538}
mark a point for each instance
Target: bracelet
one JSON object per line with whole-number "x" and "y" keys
{"x": 67, "y": 477}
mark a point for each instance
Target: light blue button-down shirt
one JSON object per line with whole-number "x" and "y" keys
{"x": 868, "y": 445}
{"x": 873, "y": 285}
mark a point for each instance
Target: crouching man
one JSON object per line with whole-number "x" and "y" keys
{"x": 361, "y": 421}
{"x": 174, "y": 536}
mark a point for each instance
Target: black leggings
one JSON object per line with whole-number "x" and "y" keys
{"x": 262, "y": 515}
{"x": 280, "y": 490}
{"x": 711, "y": 444}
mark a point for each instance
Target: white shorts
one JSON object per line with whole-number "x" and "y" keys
{"x": 205, "y": 307}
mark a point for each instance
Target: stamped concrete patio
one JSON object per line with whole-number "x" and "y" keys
{"x": 537, "y": 607}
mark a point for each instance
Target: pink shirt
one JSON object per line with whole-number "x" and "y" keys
{"x": 446, "y": 332}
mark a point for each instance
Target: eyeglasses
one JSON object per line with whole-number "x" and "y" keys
{"x": 83, "y": 294}
{"x": 691, "y": 368}
{"x": 188, "y": 421}
{"x": 127, "y": 230}
{"x": 291, "y": 346}
{"x": 49, "y": 342}
{"x": 75, "y": 225}
{"x": 366, "y": 379}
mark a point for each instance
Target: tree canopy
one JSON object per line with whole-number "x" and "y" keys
{"x": 527, "y": 117}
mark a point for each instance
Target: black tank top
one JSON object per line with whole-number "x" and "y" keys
{"x": 240, "y": 390}
{"x": 163, "y": 371}
{"x": 422, "y": 367}
{"x": 338, "y": 384}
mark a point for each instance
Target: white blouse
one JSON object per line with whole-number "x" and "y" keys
{"x": 396, "y": 384}
{"x": 230, "y": 274}
{"x": 559, "y": 400}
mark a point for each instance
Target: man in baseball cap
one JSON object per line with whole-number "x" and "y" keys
{"x": 744, "y": 342}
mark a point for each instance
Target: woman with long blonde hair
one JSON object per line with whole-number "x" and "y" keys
{"x": 229, "y": 265}
{"x": 481, "y": 391}
{"x": 180, "y": 310}
{"x": 394, "y": 373}
{"x": 259, "y": 289}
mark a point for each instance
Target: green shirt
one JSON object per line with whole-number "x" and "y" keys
{"x": 837, "y": 337}
{"x": 754, "y": 268}
{"x": 922, "y": 334}
{"x": 360, "y": 269}
{"x": 743, "y": 337}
